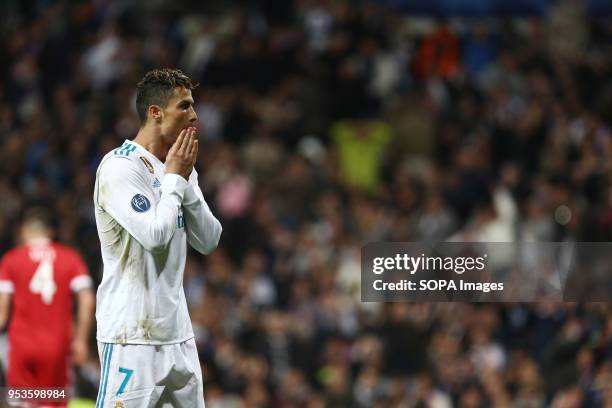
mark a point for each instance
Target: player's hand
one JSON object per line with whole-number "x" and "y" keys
{"x": 183, "y": 154}
{"x": 195, "y": 149}
{"x": 79, "y": 352}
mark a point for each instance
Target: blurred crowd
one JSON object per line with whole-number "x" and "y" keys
{"x": 324, "y": 125}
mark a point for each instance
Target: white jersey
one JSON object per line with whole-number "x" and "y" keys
{"x": 145, "y": 218}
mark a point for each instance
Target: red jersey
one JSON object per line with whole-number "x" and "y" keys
{"x": 41, "y": 278}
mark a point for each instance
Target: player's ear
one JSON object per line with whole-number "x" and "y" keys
{"x": 155, "y": 113}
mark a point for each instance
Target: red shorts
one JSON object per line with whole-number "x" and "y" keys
{"x": 38, "y": 366}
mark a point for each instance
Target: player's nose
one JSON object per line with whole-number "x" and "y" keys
{"x": 193, "y": 116}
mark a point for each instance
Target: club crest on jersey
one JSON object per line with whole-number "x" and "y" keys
{"x": 147, "y": 164}
{"x": 140, "y": 203}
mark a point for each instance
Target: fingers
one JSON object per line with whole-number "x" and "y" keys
{"x": 178, "y": 144}
{"x": 182, "y": 155}
{"x": 196, "y": 145}
{"x": 187, "y": 143}
{"x": 193, "y": 146}
{"x": 189, "y": 146}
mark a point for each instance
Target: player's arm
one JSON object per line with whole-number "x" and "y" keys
{"x": 81, "y": 285}
{"x": 84, "y": 318}
{"x": 203, "y": 229}
{"x": 5, "y": 306}
{"x": 124, "y": 192}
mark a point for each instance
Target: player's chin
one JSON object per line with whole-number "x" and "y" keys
{"x": 179, "y": 131}
{"x": 176, "y": 134}
{"x": 170, "y": 138}
{"x": 182, "y": 130}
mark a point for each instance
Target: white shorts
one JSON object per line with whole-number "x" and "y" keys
{"x": 142, "y": 376}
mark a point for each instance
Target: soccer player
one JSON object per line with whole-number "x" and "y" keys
{"x": 37, "y": 283}
{"x": 148, "y": 207}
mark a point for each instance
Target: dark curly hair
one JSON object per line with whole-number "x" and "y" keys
{"x": 157, "y": 87}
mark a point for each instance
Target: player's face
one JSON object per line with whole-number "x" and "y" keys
{"x": 178, "y": 114}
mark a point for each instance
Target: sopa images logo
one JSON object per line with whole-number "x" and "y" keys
{"x": 140, "y": 203}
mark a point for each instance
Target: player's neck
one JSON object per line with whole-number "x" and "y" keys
{"x": 151, "y": 139}
{"x": 36, "y": 240}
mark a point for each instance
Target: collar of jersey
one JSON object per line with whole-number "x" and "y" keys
{"x": 144, "y": 151}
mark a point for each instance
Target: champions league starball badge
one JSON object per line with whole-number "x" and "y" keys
{"x": 140, "y": 203}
